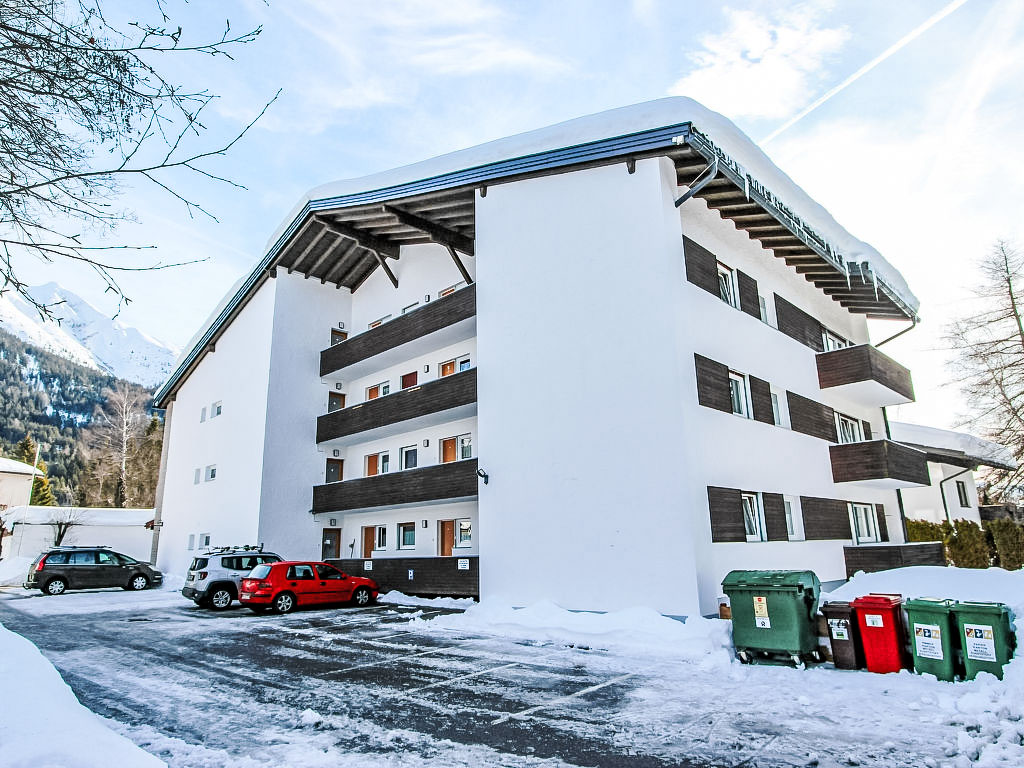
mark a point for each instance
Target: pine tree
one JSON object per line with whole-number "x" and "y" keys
{"x": 42, "y": 494}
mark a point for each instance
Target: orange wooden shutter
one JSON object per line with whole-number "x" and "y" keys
{"x": 371, "y": 465}
{"x": 448, "y": 449}
{"x": 373, "y": 392}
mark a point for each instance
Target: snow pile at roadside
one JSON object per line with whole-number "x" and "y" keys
{"x": 13, "y": 571}
{"x": 394, "y": 597}
{"x": 987, "y": 713}
{"x": 44, "y": 726}
{"x": 631, "y": 630}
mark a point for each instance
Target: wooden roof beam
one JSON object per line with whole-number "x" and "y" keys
{"x": 344, "y": 260}
{"x": 437, "y": 233}
{"x": 369, "y": 241}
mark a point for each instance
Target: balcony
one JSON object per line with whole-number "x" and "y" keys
{"x": 445, "y": 399}
{"x": 879, "y": 464}
{"x": 865, "y": 375}
{"x": 441, "y": 483}
{"x": 446, "y": 320}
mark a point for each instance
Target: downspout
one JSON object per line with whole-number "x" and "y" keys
{"x": 888, "y": 433}
{"x": 912, "y": 326}
{"x": 942, "y": 493}
{"x": 161, "y": 482}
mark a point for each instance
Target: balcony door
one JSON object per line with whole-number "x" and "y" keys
{"x": 335, "y": 470}
{"x": 448, "y": 450}
{"x": 335, "y": 401}
{"x": 447, "y": 537}
{"x": 369, "y": 537}
{"x": 331, "y": 545}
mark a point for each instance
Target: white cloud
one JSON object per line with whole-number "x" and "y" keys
{"x": 762, "y": 66}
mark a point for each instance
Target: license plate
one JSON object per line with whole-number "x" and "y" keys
{"x": 190, "y": 578}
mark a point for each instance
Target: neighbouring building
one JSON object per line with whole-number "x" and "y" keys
{"x": 16, "y": 479}
{"x": 602, "y": 363}
{"x": 953, "y": 458}
{"x": 33, "y": 529}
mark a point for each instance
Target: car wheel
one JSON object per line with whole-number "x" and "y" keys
{"x": 284, "y": 603}
{"x": 362, "y": 596}
{"x": 56, "y": 586}
{"x": 137, "y": 583}
{"x": 220, "y": 598}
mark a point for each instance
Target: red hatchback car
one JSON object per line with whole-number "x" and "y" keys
{"x": 283, "y": 586}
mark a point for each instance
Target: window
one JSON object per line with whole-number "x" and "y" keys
{"x": 463, "y": 533}
{"x": 794, "y": 519}
{"x": 216, "y": 409}
{"x": 335, "y": 470}
{"x": 738, "y": 393}
{"x": 337, "y": 336}
{"x": 299, "y": 573}
{"x": 865, "y": 525}
{"x": 381, "y": 541}
{"x": 410, "y": 379}
{"x": 204, "y": 540}
{"x": 466, "y": 447}
{"x": 751, "y": 516}
{"x": 790, "y": 529}
{"x": 459, "y": 364}
{"x": 408, "y": 457}
{"x": 106, "y": 558}
{"x": 335, "y": 401}
{"x": 406, "y": 535}
{"x": 377, "y": 464}
{"x": 377, "y": 323}
{"x": 727, "y": 285}
{"x": 198, "y": 476}
{"x": 961, "y": 492}
{"x": 776, "y": 414}
{"x": 211, "y": 472}
{"x": 81, "y": 558}
{"x": 202, "y": 415}
{"x": 191, "y": 541}
{"x": 378, "y": 390}
{"x": 329, "y": 572}
{"x": 833, "y": 341}
{"x": 848, "y": 429}
{"x": 451, "y": 289}
{"x": 410, "y": 308}
{"x": 456, "y": 448}
{"x": 57, "y": 558}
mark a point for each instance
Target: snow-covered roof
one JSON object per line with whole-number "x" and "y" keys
{"x": 558, "y": 146}
{"x": 36, "y": 515}
{"x": 956, "y": 447}
{"x": 12, "y": 467}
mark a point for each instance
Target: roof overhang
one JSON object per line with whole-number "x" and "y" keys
{"x": 956, "y": 458}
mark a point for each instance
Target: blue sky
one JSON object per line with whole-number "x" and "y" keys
{"x": 919, "y": 157}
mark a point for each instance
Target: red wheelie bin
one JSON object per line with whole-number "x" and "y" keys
{"x": 883, "y": 634}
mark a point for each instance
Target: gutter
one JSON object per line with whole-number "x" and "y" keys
{"x": 942, "y": 493}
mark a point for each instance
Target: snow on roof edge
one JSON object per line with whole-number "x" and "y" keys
{"x": 971, "y": 446}
{"x": 15, "y": 467}
{"x": 104, "y": 516}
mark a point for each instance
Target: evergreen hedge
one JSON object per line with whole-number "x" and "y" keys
{"x": 968, "y": 545}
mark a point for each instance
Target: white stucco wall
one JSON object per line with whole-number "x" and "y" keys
{"x": 29, "y": 540}
{"x": 926, "y": 503}
{"x": 237, "y": 374}
{"x": 15, "y": 489}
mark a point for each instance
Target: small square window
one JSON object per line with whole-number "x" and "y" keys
{"x": 410, "y": 308}
{"x": 211, "y": 472}
{"x": 202, "y": 415}
{"x": 191, "y": 541}
{"x": 409, "y": 457}
{"x": 381, "y": 539}
{"x": 204, "y": 540}
{"x": 466, "y": 447}
{"x": 848, "y": 429}
{"x": 216, "y": 409}
{"x": 198, "y": 476}
{"x": 738, "y": 394}
{"x": 727, "y": 285}
{"x": 406, "y": 535}
{"x": 378, "y": 390}
{"x": 961, "y": 492}
{"x": 463, "y": 533}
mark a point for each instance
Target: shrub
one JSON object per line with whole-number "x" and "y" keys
{"x": 1008, "y": 538}
{"x": 967, "y": 546}
{"x": 922, "y": 530}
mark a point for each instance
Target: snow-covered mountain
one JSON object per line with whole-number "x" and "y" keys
{"x": 87, "y": 336}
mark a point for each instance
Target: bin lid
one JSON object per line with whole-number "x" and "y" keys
{"x": 967, "y": 605}
{"x": 877, "y": 601}
{"x": 771, "y": 579}
{"x": 835, "y": 605}
{"x": 928, "y": 604}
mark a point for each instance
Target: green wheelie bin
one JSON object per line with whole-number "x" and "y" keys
{"x": 931, "y": 636}
{"x": 985, "y": 636}
{"x": 773, "y": 613}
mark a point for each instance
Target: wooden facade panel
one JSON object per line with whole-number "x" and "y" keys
{"x": 701, "y": 266}
{"x": 430, "y": 575}
{"x": 761, "y": 400}
{"x": 882, "y": 557}
{"x": 440, "y": 482}
{"x": 775, "y": 517}
{"x": 726, "y": 508}
{"x": 433, "y": 397}
{"x": 866, "y": 429}
{"x": 431, "y": 317}
{"x": 863, "y": 363}
{"x": 825, "y": 518}
{"x": 811, "y": 417}
{"x": 878, "y": 460}
{"x": 712, "y": 384}
{"x": 883, "y": 526}
{"x": 749, "y": 301}
{"x": 796, "y": 323}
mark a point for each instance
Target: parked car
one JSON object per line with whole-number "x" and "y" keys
{"x": 285, "y": 585}
{"x": 214, "y": 576}
{"x": 62, "y": 568}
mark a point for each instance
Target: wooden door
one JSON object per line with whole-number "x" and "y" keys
{"x": 369, "y": 537}
{"x": 447, "y": 369}
{"x": 447, "y": 537}
{"x": 447, "y": 450}
{"x": 331, "y": 546}
{"x": 410, "y": 379}
{"x": 335, "y": 470}
{"x": 337, "y": 336}
{"x": 335, "y": 401}
{"x": 372, "y": 465}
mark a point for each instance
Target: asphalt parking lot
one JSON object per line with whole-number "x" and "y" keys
{"x": 202, "y": 688}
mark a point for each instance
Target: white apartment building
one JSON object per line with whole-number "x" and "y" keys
{"x": 602, "y": 363}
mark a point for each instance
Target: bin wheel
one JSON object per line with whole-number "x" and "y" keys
{"x": 743, "y": 656}
{"x": 797, "y": 661}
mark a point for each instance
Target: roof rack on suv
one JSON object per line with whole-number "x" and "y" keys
{"x": 81, "y": 546}
{"x": 222, "y": 550}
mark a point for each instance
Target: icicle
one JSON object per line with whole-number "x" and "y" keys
{"x": 846, "y": 269}
{"x": 746, "y": 185}
{"x": 874, "y": 279}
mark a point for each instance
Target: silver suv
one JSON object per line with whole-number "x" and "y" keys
{"x": 215, "y": 575}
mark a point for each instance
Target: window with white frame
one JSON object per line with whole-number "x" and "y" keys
{"x": 738, "y": 394}
{"x": 776, "y": 410}
{"x": 410, "y": 307}
{"x": 727, "y": 285}
{"x": 865, "y": 523}
{"x": 216, "y": 409}
{"x": 451, "y": 289}
{"x": 762, "y": 309}
{"x": 409, "y": 457}
{"x": 191, "y": 541}
{"x": 204, "y": 540}
{"x": 211, "y": 472}
{"x": 202, "y": 415}
{"x": 833, "y": 341}
{"x": 407, "y": 535}
{"x": 378, "y": 390}
{"x": 961, "y": 492}
{"x": 465, "y": 446}
{"x": 794, "y": 518}
{"x": 848, "y": 429}
{"x": 463, "y": 533}
{"x": 377, "y": 323}
{"x": 380, "y": 540}
{"x": 455, "y": 365}
{"x": 752, "y": 516}
{"x": 378, "y": 464}
{"x": 198, "y": 476}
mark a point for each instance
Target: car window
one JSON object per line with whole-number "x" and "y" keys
{"x": 299, "y": 572}
{"x": 57, "y": 558}
{"x": 198, "y": 564}
{"x": 126, "y": 560}
{"x": 269, "y": 559}
{"x": 81, "y": 558}
{"x": 329, "y": 572}
{"x": 107, "y": 558}
{"x": 260, "y": 572}
{"x": 230, "y": 563}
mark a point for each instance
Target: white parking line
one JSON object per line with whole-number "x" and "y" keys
{"x": 450, "y": 680}
{"x": 382, "y": 662}
{"x": 560, "y": 699}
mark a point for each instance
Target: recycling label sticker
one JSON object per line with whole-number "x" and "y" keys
{"x": 840, "y": 629}
{"x": 928, "y": 641}
{"x": 761, "y": 619}
{"x": 979, "y": 642}
{"x": 873, "y": 620}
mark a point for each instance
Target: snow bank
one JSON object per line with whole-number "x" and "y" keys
{"x": 13, "y": 571}
{"x": 394, "y": 597}
{"x": 44, "y": 726}
{"x": 988, "y": 584}
{"x": 631, "y": 630}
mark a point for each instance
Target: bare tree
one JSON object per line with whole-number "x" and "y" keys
{"x": 84, "y": 107}
{"x": 989, "y": 363}
{"x": 62, "y": 520}
{"x": 119, "y": 430}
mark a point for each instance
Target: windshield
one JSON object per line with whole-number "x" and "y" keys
{"x": 127, "y": 560}
{"x": 199, "y": 563}
{"x": 260, "y": 572}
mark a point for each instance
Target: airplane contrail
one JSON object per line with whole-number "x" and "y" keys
{"x": 898, "y": 45}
